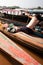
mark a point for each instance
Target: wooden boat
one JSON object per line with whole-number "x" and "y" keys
{"x": 17, "y": 55}
{"x": 24, "y": 40}
{"x": 36, "y": 43}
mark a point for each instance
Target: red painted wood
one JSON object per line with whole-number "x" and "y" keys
{"x": 16, "y": 52}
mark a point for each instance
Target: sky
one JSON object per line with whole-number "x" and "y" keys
{"x": 22, "y": 3}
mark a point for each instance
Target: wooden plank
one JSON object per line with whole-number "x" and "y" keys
{"x": 30, "y": 39}
{"x": 16, "y": 52}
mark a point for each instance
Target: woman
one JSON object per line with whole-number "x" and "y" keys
{"x": 29, "y": 27}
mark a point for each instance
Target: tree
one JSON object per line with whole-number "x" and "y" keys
{"x": 38, "y": 7}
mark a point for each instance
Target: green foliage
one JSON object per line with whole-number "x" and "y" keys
{"x": 13, "y": 7}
